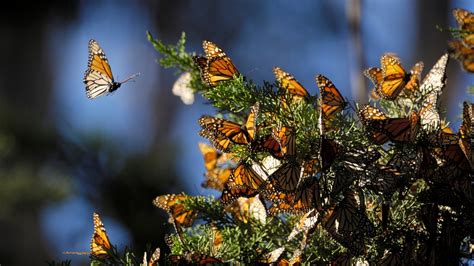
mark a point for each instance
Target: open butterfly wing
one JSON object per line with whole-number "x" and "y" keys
{"x": 97, "y": 59}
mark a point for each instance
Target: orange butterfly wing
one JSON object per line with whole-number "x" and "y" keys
{"x": 216, "y": 66}
{"x": 332, "y": 101}
{"x": 288, "y": 82}
{"x": 100, "y": 243}
{"x": 180, "y": 214}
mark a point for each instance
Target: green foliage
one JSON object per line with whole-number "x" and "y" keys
{"x": 248, "y": 242}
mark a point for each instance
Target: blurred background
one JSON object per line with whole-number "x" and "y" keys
{"x": 63, "y": 156}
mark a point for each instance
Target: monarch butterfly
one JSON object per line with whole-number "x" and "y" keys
{"x": 100, "y": 243}
{"x": 243, "y": 182}
{"x": 385, "y": 180}
{"x": 279, "y": 143}
{"x": 375, "y": 74}
{"x": 381, "y": 128}
{"x": 177, "y": 211}
{"x": 393, "y": 78}
{"x": 245, "y": 209}
{"x": 154, "y": 258}
{"x": 465, "y": 19}
{"x": 245, "y": 176}
{"x": 466, "y": 132}
{"x": 332, "y": 101}
{"x": 288, "y": 82}
{"x": 210, "y": 156}
{"x": 217, "y": 178}
{"x": 287, "y": 177}
{"x": 271, "y": 257}
{"x": 231, "y": 193}
{"x": 306, "y": 223}
{"x": 299, "y": 201}
{"x": 98, "y": 77}
{"x": 223, "y": 133}
{"x": 347, "y": 217}
{"x": 431, "y": 88}
{"x": 462, "y": 53}
{"x": 329, "y": 151}
{"x": 216, "y": 66}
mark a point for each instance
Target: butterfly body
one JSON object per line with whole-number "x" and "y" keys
{"x": 98, "y": 77}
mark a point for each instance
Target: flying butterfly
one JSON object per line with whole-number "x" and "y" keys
{"x": 393, "y": 78}
{"x": 332, "y": 101}
{"x": 216, "y": 66}
{"x": 224, "y": 133}
{"x": 381, "y": 128}
{"x": 100, "y": 243}
{"x": 98, "y": 77}
{"x": 288, "y": 82}
{"x": 177, "y": 211}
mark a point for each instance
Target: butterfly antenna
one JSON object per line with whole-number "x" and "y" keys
{"x": 130, "y": 78}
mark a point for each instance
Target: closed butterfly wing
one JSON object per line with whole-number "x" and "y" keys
{"x": 435, "y": 80}
{"x": 100, "y": 243}
{"x": 332, "y": 101}
{"x": 216, "y": 66}
{"x": 154, "y": 257}
{"x": 415, "y": 77}
{"x": 288, "y": 82}
{"x": 466, "y": 133}
{"x": 177, "y": 211}
{"x": 431, "y": 89}
{"x": 375, "y": 74}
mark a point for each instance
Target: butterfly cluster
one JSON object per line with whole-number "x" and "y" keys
{"x": 328, "y": 187}
{"x": 462, "y": 48}
{"x": 331, "y": 169}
